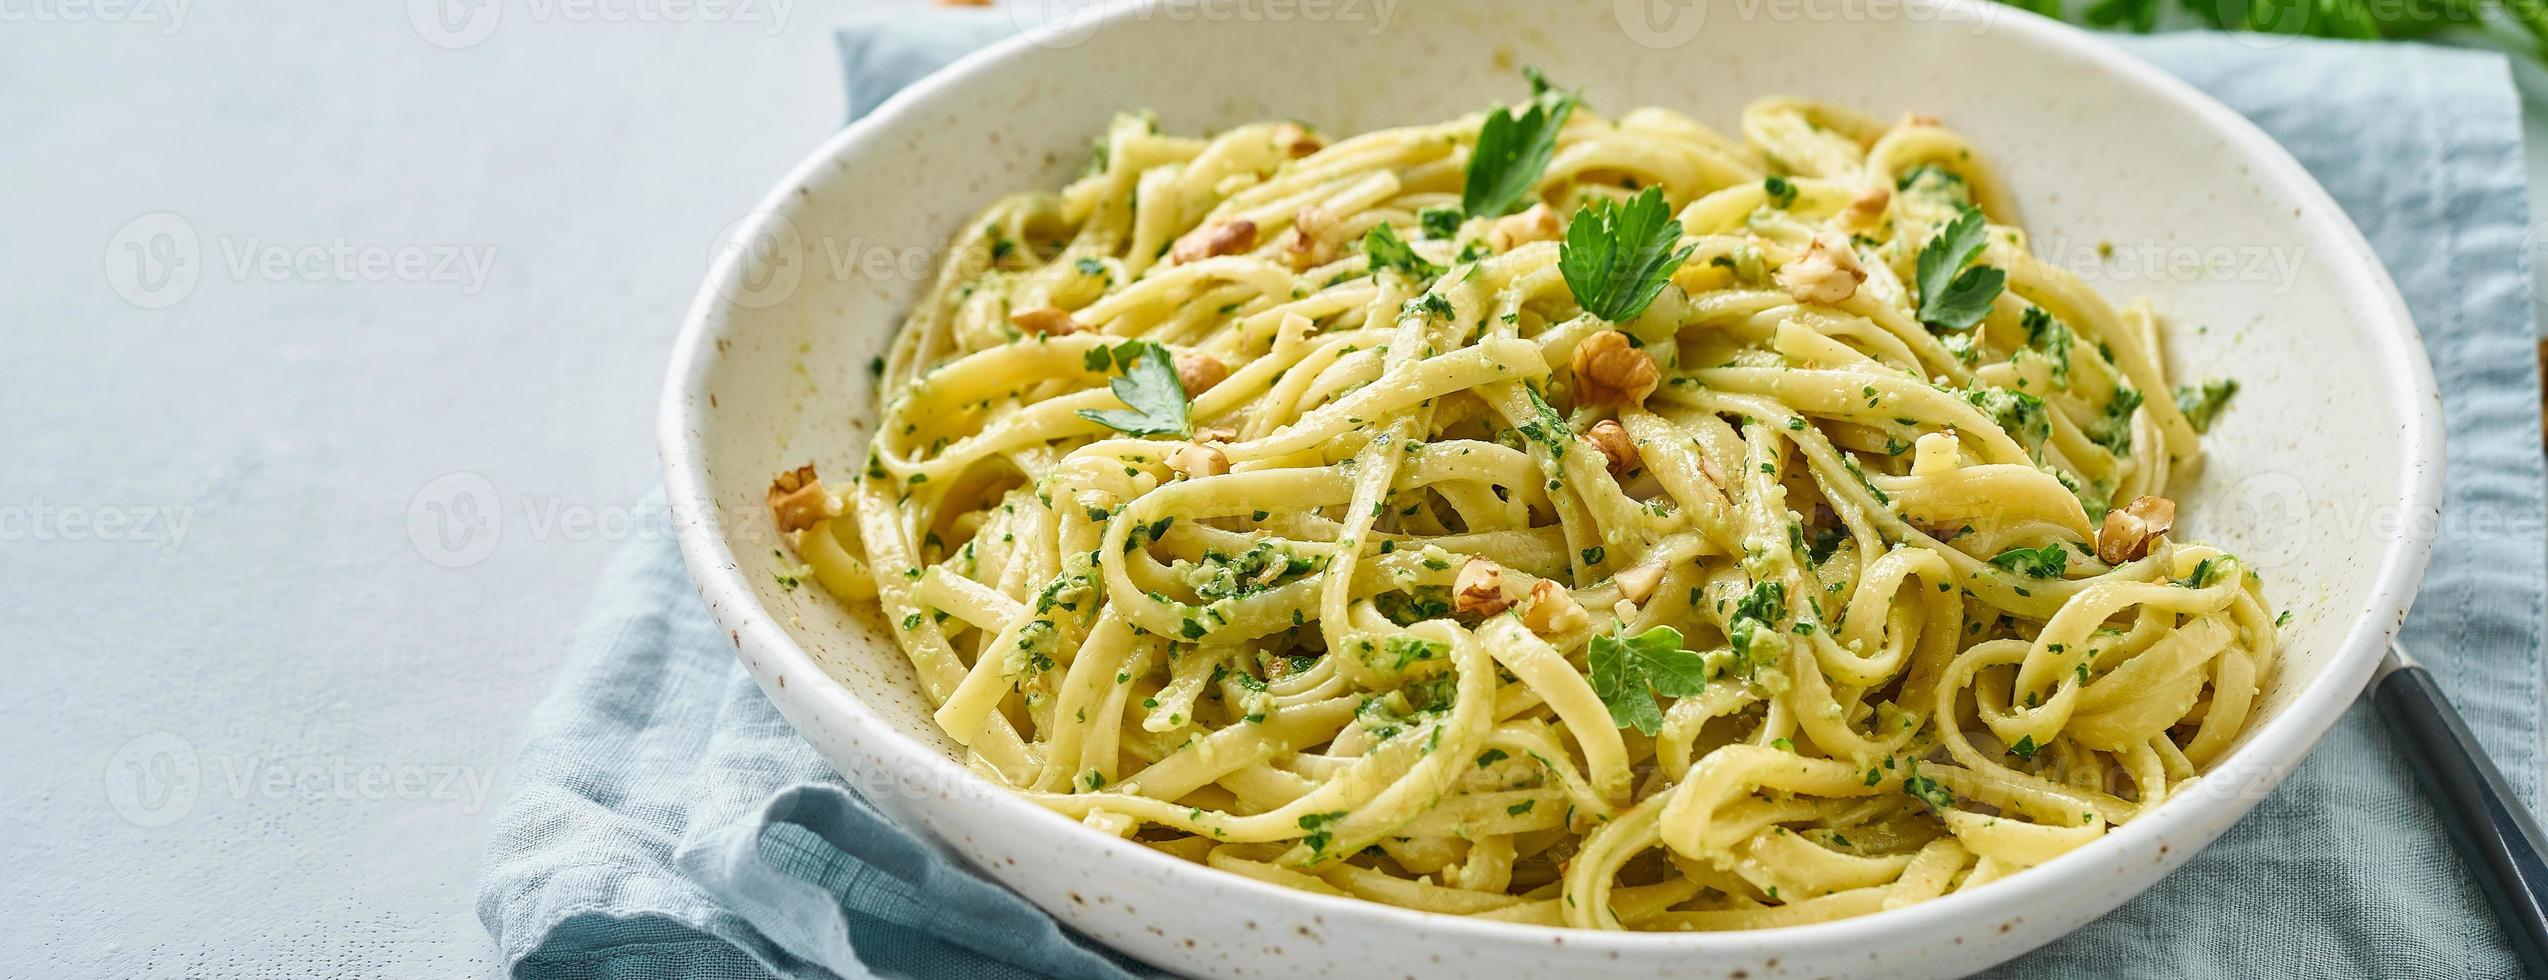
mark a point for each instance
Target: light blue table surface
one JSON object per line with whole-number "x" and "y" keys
{"x": 290, "y": 542}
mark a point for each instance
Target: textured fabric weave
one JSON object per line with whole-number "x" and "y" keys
{"x": 670, "y": 824}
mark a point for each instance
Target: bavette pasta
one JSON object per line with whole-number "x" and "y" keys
{"x": 1548, "y": 518}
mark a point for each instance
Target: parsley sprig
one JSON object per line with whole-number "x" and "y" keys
{"x": 1624, "y": 669}
{"x": 1953, "y": 297}
{"x": 1155, "y": 399}
{"x": 1513, "y": 150}
{"x": 1617, "y": 257}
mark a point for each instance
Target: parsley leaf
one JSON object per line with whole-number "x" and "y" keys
{"x": 1624, "y": 670}
{"x": 1513, "y": 150}
{"x": 1149, "y": 386}
{"x": 2048, "y": 561}
{"x": 1617, "y": 257}
{"x": 1953, "y": 297}
{"x": 1387, "y": 251}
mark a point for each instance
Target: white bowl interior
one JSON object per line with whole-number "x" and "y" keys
{"x": 2262, "y": 279}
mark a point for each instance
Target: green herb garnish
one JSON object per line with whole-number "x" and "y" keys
{"x": 1625, "y": 669}
{"x": 1148, "y": 385}
{"x": 1953, "y": 297}
{"x": 1513, "y": 150}
{"x": 1387, "y": 251}
{"x": 1617, "y": 257}
{"x": 2049, "y": 561}
{"x": 2202, "y": 403}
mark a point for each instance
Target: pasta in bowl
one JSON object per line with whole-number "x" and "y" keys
{"x": 1588, "y": 779}
{"x": 1548, "y": 518}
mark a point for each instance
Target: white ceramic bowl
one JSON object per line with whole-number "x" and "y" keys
{"x": 2325, "y": 473}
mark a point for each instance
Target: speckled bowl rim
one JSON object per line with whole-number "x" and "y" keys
{"x": 2273, "y": 750}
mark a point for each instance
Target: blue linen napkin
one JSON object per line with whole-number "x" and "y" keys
{"x": 668, "y": 823}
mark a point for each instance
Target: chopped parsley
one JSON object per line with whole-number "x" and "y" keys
{"x": 1781, "y": 193}
{"x": 2202, "y": 403}
{"x": 2049, "y": 561}
{"x": 1387, "y": 251}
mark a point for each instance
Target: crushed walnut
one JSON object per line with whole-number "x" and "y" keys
{"x": 1305, "y": 246}
{"x": 1553, "y": 610}
{"x": 1195, "y": 460}
{"x": 1637, "y": 582}
{"x": 1479, "y": 589}
{"x": 2130, "y": 528}
{"x": 1827, "y": 273}
{"x": 1867, "y": 210}
{"x": 797, "y": 499}
{"x": 1199, "y": 372}
{"x": 1918, "y": 119}
{"x": 1045, "y": 321}
{"x": 1224, "y": 238}
{"x": 1609, "y": 372}
{"x": 1539, "y": 224}
{"x": 1612, "y": 439}
{"x": 1296, "y": 140}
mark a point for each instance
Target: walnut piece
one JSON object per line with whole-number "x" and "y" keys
{"x": 1827, "y": 273}
{"x": 1918, "y": 119}
{"x": 1045, "y": 321}
{"x": 1553, "y": 610}
{"x": 2130, "y": 528}
{"x": 1539, "y": 224}
{"x": 797, "y": 499}
{"x": 1637, "y": 582}
{"x": 1225, "y": 238}
{"x": 1296, "y": 140}
{"x": 1867, "y": 210}
{"x": 1612, "y": 439}
{"x": 1609, "y": 372}
{"x": 1480, "y": 588}
{"x": 1199, "y": 372}
{"x": 1195, "y": 460}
